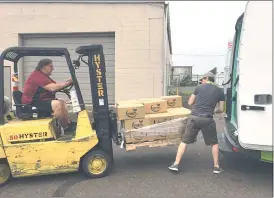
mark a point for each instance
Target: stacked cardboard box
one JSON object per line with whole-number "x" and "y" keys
{"x": 173, "y": 101}
{"x": 135, "y": 114}
{"x": 148, "y": 113}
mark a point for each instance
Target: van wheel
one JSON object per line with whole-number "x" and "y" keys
{"x": 5, "y": 173}
{"x": 96, "y": 164}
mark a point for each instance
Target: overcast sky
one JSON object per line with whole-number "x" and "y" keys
{"x": 203, "y": 28}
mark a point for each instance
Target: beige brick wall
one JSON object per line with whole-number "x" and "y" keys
{"x": 139, "y": 34}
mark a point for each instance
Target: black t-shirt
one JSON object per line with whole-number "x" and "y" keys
{"x": 207, "y": 97}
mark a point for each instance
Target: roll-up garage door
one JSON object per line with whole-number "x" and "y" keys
{"x": 72, "y": 41}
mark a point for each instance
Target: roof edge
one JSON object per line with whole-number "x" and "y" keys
{"x": 79, "y": 1}
{"x": 182, "y": 66}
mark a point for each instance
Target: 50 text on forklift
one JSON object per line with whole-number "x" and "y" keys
{"x": 27, "y": 136}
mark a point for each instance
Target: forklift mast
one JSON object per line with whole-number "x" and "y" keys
{"x": 101, "y": 113}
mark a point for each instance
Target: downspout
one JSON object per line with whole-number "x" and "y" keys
{"x": 165, "y": 50}
{"x": 168, "y": 45}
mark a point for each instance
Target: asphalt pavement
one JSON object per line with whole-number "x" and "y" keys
{"x": 144, "y": 173}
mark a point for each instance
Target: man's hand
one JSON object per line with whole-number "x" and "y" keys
{"x": 218, "y": 111}
{"x": 69, "y": 80}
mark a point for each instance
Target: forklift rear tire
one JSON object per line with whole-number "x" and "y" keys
{"x": 97, "y": 164}
{"x": 5, "y": 174}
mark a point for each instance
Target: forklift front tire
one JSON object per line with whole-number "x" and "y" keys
{"x": 5, "y": 174}
{"x": 96, "y": 164}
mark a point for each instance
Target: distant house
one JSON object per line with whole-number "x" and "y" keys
{"x": 179, "y": 74}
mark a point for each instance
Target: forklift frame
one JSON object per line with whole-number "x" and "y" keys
{"x": 104, "y": 124}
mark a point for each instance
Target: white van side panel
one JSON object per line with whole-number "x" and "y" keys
{"x": 255, "y": 76}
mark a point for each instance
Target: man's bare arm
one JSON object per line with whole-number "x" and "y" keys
{"x": 222, "y": 106}
{"x": 191, "y": 99}
{"x": 56, "y": 87}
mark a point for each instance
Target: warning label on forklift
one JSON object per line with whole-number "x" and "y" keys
{"x": 27, "y": 136}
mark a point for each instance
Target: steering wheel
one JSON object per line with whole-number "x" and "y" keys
{"x": 66, "y": 91}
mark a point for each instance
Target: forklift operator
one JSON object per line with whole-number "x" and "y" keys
{"x": 39, "y": 91}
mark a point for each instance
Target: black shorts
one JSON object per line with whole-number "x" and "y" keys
{"x": 44, "y": 106}
{"x": 194, "y": 124}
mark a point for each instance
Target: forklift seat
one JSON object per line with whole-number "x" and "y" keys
{"x": 26, "y": 111}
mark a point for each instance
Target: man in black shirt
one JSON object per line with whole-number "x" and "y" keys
{"x": 205, "y": 98}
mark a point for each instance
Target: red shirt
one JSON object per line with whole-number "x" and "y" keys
{"x": 37, "y": 79}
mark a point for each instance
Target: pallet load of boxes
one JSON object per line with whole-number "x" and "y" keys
{"x": 151, "y": 121}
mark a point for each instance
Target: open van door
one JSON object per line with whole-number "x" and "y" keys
{"x": 255, "y": 78}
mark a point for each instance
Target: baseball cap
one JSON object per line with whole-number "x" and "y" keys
{"x": 208, "y": 74}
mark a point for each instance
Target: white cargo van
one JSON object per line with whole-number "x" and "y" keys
{"x": 248, "y": 91}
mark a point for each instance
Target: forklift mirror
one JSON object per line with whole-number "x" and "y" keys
{"x": 76, "y": 63}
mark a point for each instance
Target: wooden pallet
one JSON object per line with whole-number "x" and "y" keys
{"x": 158, "y": 143}
{"x": 142, "y": 139}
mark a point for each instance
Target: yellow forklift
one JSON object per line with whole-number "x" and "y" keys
{"x": 32, "y": 143}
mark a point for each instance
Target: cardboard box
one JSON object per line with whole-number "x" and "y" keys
{"x": 180, "y": 112}
{"x": 159, "y": 118}
{"x": 173, "y": 101}
{"x": 136, "y": 123}
{"x": 129, "y": 102}
{"x": 155, "y": 106}
{"x": 148, "y": 99}
{"x": 130, "y": 111}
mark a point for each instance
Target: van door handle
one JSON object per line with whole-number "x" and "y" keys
{"x": 252, "y": 108}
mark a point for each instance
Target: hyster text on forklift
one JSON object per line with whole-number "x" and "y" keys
{"x": 32, "y": 143}
{"x": 249, "y": 90}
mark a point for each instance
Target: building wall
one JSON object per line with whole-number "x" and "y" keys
{"x": 138, "y": 28}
